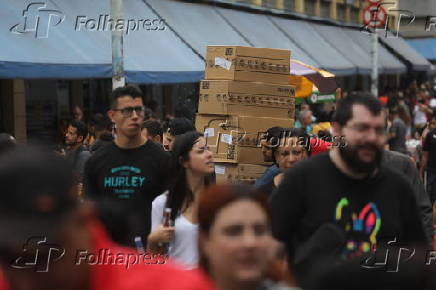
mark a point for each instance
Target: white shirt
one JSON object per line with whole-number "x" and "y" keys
{"x": 420, "y": 117}
{"x": 184, "y": 246}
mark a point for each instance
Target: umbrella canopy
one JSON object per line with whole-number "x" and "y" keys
{"x": 308, "y": 79}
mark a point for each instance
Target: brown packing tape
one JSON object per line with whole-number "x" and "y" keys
{"x": 246, "y": 98}
{"x": 229, "y": 51}
{"x": 236, "y": 139}
{"x": 248, "y": 64}
{"x": 227, "y": 173}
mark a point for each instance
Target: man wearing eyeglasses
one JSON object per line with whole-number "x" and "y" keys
{"x": 338, "y": 206}
{"x": 125, "y": 176}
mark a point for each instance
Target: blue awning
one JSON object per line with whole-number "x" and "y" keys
{"x": 425, "y": 46}
{"x": 388, "y": 63}
{"x": 157, "y": 56}
{"x": 349, "y": 49}
{"x": 265, "y": 34}
{"x": 199, "y": 25}
{"x": 77, "y": 43}
{"x": 40, "y": 40}
{"x": 303, "y": 33}
{"x": 404, "y": 50}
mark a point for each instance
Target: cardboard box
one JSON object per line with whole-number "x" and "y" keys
{"x": 228, "y": 173}
{"x": 246, "y": 98}
{"x": 236, "y": 139}
{"x": 251, "y": 64}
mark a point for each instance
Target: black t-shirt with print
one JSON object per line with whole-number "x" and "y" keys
{"x": 129, "y": 179}
{"x": 430, "y": 146}
{"x": 314, "y": 192}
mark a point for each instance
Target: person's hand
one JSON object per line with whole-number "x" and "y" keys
{"x": 161, "y": 235}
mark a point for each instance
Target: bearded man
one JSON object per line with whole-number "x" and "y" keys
{"x": 343, "y": 204}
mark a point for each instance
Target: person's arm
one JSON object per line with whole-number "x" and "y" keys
{"x": 424, "y": 162}
{"x": 159, "y": 234}
{"x": 413, "y": 228}
{"x": 81, "y": 161}
{"x": 422, "y": 199}
{"x": 90, "y": 179}
{"x": 287, "y": 204}
{"x": 393, "y": 130}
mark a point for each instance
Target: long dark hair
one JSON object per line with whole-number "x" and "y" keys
{"x": 179, "y": 191}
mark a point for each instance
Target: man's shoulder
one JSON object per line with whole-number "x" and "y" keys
{"x": 394, "y": 159}
{"x": 316, "y": 161}
{"x": 393, "y": 177}
{"x": 310, "y": 166}
{"x": 103, "y": 153}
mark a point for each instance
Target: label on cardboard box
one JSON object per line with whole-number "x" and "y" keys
{"x": 209, "y": 132}
{"x": 219, "y": 61}
{"x": 226, "y": 138}
{"x": 220, "y": 169}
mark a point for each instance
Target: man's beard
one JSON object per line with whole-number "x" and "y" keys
{"x": 351, "y": 157}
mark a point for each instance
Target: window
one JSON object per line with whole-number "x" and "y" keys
{"x": 325, "y": 9}
{"x": 269, "y": 3}
{"x": 340, "y": 12}
{"x": 289, "y": 5}
{"x": 355, "y": 12}
{"x": 309, "y": 7}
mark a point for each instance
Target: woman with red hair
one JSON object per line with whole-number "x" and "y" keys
{"x": 236, "y": 245}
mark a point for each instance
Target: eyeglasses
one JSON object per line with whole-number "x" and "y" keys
{"x": 128, "y": 111}
{"x": 364, "y": 129}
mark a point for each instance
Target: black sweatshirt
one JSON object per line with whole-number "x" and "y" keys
{"x": 314, "y": 192}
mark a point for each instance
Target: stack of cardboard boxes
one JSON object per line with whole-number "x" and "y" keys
{"x": 245, "y": 92}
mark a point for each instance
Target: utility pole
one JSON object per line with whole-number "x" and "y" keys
{"x": 374, "y": 63}
{"x": 118, "y": 79}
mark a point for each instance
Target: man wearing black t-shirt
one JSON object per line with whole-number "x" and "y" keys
{"x": 125, "y": 176}
{"x": 344, "y": 201}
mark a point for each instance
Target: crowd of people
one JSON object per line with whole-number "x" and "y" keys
{"x": 344, "y": 187}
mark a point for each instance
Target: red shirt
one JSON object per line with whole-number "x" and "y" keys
{"x": 137, "y": 276}
{"x": 318, "y": 146}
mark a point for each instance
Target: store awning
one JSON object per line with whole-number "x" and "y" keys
{"x": 402, "y": 48}
{"x": 425, "y": 46}
{"x": 196, "y": 24}
{"x": 302, "y": 33}
{"x": 388, "y": 63}
{"x": 265, "y": 34}
{"x": 337, "y": 38}
{"x": 157, "y": 56}
{"x": 77, "y": 43}
{"x": 41, "y": 40}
